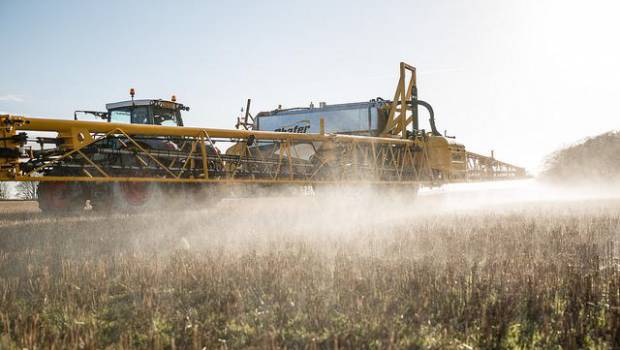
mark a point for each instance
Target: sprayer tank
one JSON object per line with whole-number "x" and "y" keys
{"x": 362, "y": 118}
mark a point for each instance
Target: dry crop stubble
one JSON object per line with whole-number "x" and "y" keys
{"x": 363, "y": 272}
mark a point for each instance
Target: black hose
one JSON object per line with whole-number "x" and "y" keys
{"x": 431, "y": 120}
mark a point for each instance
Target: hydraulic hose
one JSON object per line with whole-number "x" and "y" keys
{"x": 431, "y": 119}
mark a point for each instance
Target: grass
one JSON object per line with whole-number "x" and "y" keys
{"x": 537, "y": 276}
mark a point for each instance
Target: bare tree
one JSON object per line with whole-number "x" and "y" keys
{"x": 4, "y": 190}
{"x": 27, "y": 190}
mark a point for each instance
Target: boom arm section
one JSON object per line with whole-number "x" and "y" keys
{"x": 481, "y": 168}
{"x": 110, "y": 152}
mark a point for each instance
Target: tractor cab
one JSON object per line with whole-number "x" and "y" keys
{"x": 149, "y": 112}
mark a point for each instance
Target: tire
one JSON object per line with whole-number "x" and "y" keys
{"x": 59, "y": 197}
{"x": 136, "y": 196}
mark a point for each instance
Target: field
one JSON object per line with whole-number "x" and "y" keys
{"x": 351, "y": 271}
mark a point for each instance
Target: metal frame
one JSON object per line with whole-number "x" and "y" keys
{"x": 353, "y": 159}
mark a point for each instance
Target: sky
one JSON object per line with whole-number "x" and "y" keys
{"x": 522, "y": 78}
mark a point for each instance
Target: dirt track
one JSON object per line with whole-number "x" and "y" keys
{"x": 18, "y": 207}
{"x": 449, "y": 198}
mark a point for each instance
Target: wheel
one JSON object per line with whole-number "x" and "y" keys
{"x": 60, "y": 197}
{"x": 204, "y": 196}
{"x": 402, "y": 194}
{"x": 136, "y": 196}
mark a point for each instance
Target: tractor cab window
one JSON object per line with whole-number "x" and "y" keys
{"x": 120, "y": 116}
{"x": 135, "y": 115}
{"x": 140, "y": 115}
{"x": 166, "y": 117}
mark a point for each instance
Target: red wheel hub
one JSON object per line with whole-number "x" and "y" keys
{"x": 135, "y": 193}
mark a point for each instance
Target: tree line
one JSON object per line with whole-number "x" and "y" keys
{"x": 23, "y": 190}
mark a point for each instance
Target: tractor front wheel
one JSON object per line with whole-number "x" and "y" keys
{"x": 56, "y": 197}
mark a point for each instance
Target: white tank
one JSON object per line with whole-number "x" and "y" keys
{"x": 350, "y": 118}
